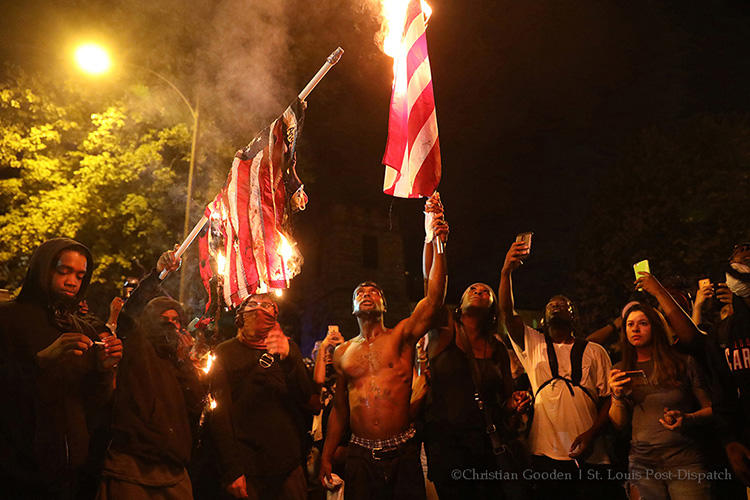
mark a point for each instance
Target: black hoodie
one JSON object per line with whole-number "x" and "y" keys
{"x": 158, "y": 397}
{"x": 44, "y": 434}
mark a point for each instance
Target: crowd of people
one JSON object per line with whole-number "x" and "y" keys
{"x": 449, "y": 404}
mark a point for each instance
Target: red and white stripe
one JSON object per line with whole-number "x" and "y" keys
{"x": 250, "y": 208}
{"x": 412, "y": 152}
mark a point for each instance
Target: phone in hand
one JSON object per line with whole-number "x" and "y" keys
{"x": 526, "y": 239}
{"x": 637, "y": 377}
{"x": 333, "y": 330}
{"x": 641, "y": 267}
{"x": 704, "y": 282}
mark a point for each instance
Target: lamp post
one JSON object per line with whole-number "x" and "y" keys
{"x": 94, "y": 59}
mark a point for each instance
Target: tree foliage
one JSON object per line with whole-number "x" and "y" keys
{"x": 679, "y": 198}
{"x": 110, "y": 174}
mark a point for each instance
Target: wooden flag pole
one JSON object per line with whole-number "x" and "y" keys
{"x": 331, "y": 60}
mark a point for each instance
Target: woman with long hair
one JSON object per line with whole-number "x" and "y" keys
{"x": 662, "y": 395}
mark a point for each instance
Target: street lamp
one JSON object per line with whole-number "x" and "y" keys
{"x": 94, "y": 59}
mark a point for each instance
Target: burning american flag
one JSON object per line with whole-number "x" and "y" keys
{"x": 244, "y": 234}
{"x": 412, "y": 152}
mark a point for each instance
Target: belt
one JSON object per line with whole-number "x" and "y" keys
{"x": 384, "y": 448}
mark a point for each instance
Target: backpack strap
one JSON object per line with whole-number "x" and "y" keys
{"x": 552, "y": 358}
{"x": 576, "y": 360}
{"x": 576, "y": 367}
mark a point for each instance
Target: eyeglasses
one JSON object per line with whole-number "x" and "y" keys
{"x": 254, "y": 305}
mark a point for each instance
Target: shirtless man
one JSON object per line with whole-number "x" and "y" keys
{"x": 374, "y": 373}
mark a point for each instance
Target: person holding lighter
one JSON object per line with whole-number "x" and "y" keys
{"x": 655, "y": 389}
{"x": 57, "y": 371}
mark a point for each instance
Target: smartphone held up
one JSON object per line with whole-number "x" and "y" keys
{"x": 526, "y": 239}
{"x": 641, "y": 267}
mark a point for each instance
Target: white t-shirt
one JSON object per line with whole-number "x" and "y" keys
{"x": 560, "y": 417}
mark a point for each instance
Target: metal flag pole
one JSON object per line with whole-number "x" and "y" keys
{"x": 331, "y": 60}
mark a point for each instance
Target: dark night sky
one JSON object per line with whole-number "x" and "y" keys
{"x": 535, "y": 99}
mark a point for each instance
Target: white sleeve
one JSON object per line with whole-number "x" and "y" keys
{"x": 531, "y": 339}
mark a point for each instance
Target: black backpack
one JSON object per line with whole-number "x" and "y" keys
{"x": 576, "y": 367}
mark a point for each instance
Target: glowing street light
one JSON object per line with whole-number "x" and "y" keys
{"x": 93, "y": 59}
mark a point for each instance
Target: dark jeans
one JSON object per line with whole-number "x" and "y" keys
{"x": 474, "y": 472}
{"x": 397, "y": 476}
{"x": 563, "y": 479}
{"x": 291, "y": 487}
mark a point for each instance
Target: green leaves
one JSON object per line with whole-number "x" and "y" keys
{"x": 113, "y": 178}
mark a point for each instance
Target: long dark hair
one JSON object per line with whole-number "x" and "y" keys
{"x": 668, "y": 364}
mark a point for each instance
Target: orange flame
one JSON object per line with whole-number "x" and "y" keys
{"x": 393, "y": 13}
{"x": 285, "y": 249}
{"x": 220, "y": 264}
{"x": 291, "y": 258}
{"x": 209, "y": 362}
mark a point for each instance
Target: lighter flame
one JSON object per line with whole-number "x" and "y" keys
{"x": 212, "y": 402}
{"x": 209, "y": 362}
{"x": 220, "y": 263}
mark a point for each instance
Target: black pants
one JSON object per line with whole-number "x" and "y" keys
{"x": 397, "y": 476}
{"x": 563, "y": 479}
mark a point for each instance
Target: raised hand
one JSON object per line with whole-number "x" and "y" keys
{"x": 514, "y": 258}
{"x": 649, "y": 283}
{"x": 167, "y": 261}
{"x": 440, "y": 229}
{"x": 704, "y": 294}
{"x": 434, "y": 205}
{"x": 723, "y": 293}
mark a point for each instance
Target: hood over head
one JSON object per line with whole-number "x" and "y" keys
{"x": 161, "y": 334}
{"x": 36, "y": 285}
{"x": 151, "y": 316}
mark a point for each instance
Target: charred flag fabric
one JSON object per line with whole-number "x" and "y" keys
{"x": 412, "y": 152}
{"x": 248, "y": 221}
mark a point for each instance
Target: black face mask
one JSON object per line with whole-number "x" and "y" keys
{"x": 164, "y": 339}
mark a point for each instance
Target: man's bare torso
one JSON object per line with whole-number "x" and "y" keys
{"x": 378, "y": 375}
